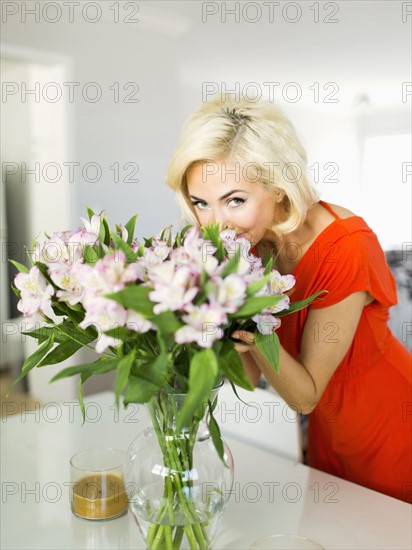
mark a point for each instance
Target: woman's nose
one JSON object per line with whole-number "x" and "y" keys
{"x": 219, "y": 217}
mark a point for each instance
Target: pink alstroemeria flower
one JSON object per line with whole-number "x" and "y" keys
{"x": 137, "y": 322}
{"x": 174, "y": 288}
{"x": 104, "y": 315}
{"x": 266, "y": 324}
{"x": 278, "y": 284}
{"x": 229, "y": 293}
{"x": 66, "y": 278}
{"x": 199, "y": 253}
{"x": 110, "y": 274}
{"x": 92, "y": 226}
{"x": 284, "y": 303}
{"x": 35, "y": 292}
{"x": 203, "y": 326}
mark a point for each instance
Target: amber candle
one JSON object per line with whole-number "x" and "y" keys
{"x": 97, "y": 488}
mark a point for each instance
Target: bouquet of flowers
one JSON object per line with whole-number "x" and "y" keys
{"x": 160, "y": 313}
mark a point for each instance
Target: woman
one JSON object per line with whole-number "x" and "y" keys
{"x": 241, "y": 164}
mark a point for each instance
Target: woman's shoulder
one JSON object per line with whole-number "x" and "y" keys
{"x": 341, "y": 211}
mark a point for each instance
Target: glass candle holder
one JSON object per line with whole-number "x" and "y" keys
{"x": 97, "y": 484}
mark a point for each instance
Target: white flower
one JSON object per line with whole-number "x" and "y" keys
{"x": 284, "y": 303}
{"x": 200, "y": 252}
{"x": 278, "y": 284}
{"x": 35, "y": 292}
{"x": 63, "y": 248}
{"x": 230, "y": 292}
{"x": 203, "y": 326}
{"x": 266, "y": 324}
{"x": 67, "y": 279}
{"x": 92, "y": 226}
{"x": 173, "y": 289}
{"x": 137, "y": 322}
{"x": 109, "y": 274}
{"x": 104, "y": 315}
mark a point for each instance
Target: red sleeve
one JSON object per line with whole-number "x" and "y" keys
{"x": 354, "y": 261}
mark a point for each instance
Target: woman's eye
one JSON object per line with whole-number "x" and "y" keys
{"x": 236, "y": 201}
{"x": 200, "y": 204}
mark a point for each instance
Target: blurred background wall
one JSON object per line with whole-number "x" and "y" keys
{"x": 94, "y": 95}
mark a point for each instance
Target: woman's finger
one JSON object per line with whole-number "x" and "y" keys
{"x": 244, "y": 336}
{"x": 242, "y": 348}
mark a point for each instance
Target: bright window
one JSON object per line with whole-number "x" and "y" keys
{"x": 386, "y": 188}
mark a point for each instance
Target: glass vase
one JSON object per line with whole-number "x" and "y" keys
{"x": 178, "y": 486}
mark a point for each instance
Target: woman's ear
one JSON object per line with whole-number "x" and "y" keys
{"x": 279, "y": 195}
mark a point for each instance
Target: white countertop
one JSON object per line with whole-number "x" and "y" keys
{"x": 270, "y": 495}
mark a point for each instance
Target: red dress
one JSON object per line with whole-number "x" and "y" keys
{"x": 361, "y": 429}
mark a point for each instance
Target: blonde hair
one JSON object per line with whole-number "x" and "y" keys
{"x": 253, "y": 134}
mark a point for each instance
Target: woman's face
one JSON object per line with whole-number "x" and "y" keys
{"x": 222, "y": 192}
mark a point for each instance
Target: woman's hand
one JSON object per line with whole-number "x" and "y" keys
{"x": 245, "y": 340}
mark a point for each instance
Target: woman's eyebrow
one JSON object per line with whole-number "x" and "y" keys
{"x": 225, "y": 196}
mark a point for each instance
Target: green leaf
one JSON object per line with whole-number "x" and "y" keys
{"x": 140, "y": 250}
{"x": 202, "y": 376}
{"x": 90, "y": 254}
{"x": 268, "y": 344}
{"x": 64, "y": 332}
{"x": 256, "y": 304}
{"x": 155, "y": 371}
{"x": 211, "y": 232}
{"x": 22, "y": 268}
{"x": 119, "y": 244}
{"x": 139, "y": 390}
{"x": 75, "y": 339}
{"x": 43, "y": 333}
{"x": 90, "y": 212}
{"x": 122, "y": 333}
{"x": 268, "y": 263}
{"x": 301, "y": 304}
{"x": 146, "y": 380}
{"x": 80, "y": 399}
{"x": 123, "y": 371}
{"x": 216, "y": 435}
{"x": 16, "y": 291}
{"x": 106, "y": 231}
{"x": 60, "y": 308}
{"x": 34, "y": 359}
{"x": 101, "y": 366}
{"x": 60, "y": 353}
{"x": 134, "y": 297}
{"x": 166, "y": 322}
{"x": 81, "y": 336}
{"x": 130, "y": 226}
{"x": 102, "y": 232}
{"x": 232, "y": 367}
{"x": 233, "y": 264}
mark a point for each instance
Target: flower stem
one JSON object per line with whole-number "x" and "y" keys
{"x": 177, "y": 450}
{"x": 178, "y": 537}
